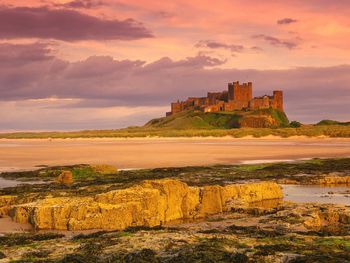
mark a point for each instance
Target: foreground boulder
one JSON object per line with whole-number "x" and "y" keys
{"x": 65, "y": 177}
{"x": 149, "y": 204}
{"x": 328, "y": 216}
{"x": 5, "y": 204}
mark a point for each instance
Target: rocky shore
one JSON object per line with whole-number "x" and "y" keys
{"x": 187, "y": 214}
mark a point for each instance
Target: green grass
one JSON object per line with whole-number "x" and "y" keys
{"x": 197, "y": 120}
{"x": 142, "y": 132}
{"x": 334, "y": 242}
{"x": 251, "y": 168}
{"x": 83, "y": 173}
{"x": 314, "y": 161}
{"x": 280, "y": 116}
{"x": 333, "y": 122}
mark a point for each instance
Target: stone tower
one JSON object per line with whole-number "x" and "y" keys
{"x": 278, "y": 99}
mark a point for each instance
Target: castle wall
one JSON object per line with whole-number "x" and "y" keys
{"x": 220, "y": 106}
{"x": 235, "y": 105}
{"x": 198, "y": 101}
{"x": 214, "y": 97}
{"x": 260, "y": 103}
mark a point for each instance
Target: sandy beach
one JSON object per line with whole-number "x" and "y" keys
{"x": 164, "y": 152}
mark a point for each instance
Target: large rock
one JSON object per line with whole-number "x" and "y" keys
{"x": 334, "y": 179}
{"x": 65, "y": 177}
{"x": 260, "y": 121}
{"x": 5, "y": 203}
{"x": 328, "y": 216}
{"x": 148, "y": 204}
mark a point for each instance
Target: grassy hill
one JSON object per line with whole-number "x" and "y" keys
{"x": 332, "y": 122}
{"x": 267, "y": 118}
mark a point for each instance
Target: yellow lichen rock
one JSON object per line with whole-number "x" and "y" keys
{"x": 217, "y": 199}
{"x": 160, "y": 200}
{"x": 328, "y": 217}
{"x": 149, "y": 204}
{"x": 5, "y": 203}
{"x": 174, "y": 197}
{"x": 256, "y": 192}
{"x": 211, "y": 200}
{"x": 330, "y": 180}
{"x": 22, "y": 213}
{"x": 104, "y": 168}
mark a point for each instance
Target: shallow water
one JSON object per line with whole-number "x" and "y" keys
{"x": 11, "y": 183}
{"x": 317, "y": 193}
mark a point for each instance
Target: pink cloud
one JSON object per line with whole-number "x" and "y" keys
{"x": 212, "y": 44}
{"x": 274, "y": 41}
{"x": 67, "y": 25}
{"x": 88, "y": 4}
{"x": 286, "y": 21}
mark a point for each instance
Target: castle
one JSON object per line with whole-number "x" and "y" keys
{"x": 237, "y": 97}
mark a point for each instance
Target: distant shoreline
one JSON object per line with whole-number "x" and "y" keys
{"x": 157, "y": 138}
{"x": 307, "y": 131}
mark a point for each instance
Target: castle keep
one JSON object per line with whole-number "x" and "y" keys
{"x": 237, "y": 97}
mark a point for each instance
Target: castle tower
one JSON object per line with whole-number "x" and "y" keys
{"x": 250, "y": 91}
{"x": 176, "y": 107}
{"x": 230, "y": 91}
{"x": 278, "y": 99}
{"x": 240, "y": 92}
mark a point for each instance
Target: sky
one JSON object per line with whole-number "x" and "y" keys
{"x": 103, "y": 64}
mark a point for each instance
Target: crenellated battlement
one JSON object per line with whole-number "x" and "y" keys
{"x": 237, "y": 97}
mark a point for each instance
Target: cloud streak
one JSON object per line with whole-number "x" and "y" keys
{"x": 286, "y": 21}
{"x": 64, "y": 24}
{"x": 211, "y": 44}
{"x": 84, "y": 4}
{"x": 274, "y": 41}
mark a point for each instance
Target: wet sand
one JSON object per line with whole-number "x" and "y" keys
{"x": 9, "y": 226}
{"x": 164, "y": 152}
